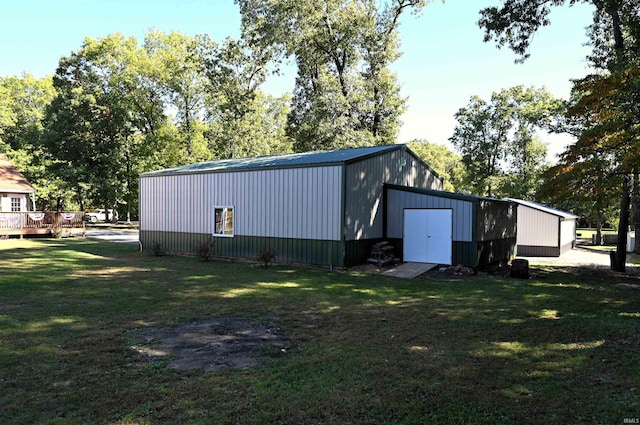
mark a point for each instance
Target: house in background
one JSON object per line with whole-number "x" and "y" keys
{"x": 544, "y": 231}
{"x": 18, "y": 217}
{"x": 16, "y": 193}
{"x": 322, "y": 208}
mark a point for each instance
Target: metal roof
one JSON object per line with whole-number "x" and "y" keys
{"x": 296, "y": 160}
{"x": 445, "y": 194}
{"x": 544, "y": 208}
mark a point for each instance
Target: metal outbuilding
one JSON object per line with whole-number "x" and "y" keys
{"x": 544, "y": 231}
{"x": 323, "y": 208}
{"x": 439, "y": 227}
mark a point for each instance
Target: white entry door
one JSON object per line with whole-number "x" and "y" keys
{"x": 428, "y": 236}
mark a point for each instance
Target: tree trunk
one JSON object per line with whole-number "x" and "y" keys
{"x": 635, "y": 204}
{"x": 598, "y": 231}
{"x": 620, "y": 259}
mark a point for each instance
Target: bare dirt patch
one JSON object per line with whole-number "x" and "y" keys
{"x": 211, "y": 345}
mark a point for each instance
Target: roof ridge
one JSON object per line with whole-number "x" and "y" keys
{"x": 290, "y": 160}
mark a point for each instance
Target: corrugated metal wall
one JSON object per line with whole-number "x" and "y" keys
{"x": 398, "y": 200}
{"x": 536, "y": 228}
{"x": 300, "y": 203}
{"x": 496, "y": 220}
{"x": 287, "y": 250}
{"x": 567, "y": 232}
{"x": 484, "y": 231}
{"x": 364, "y": 187}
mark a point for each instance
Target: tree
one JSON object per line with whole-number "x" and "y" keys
{"x": 444, "y": 161}
{"x": 583, "y": 187}
{"x": 88, "y": 123}
{"x": 181, "y": 81}
{"x": 606, "y": 109}
{"x": 615, "y": 38}
{"x": 499, "y": 143}
{"x": 23, "y": 101}
{"x": 481, "y": 137}
{"x": 345, "y": 94}
{"x": 534, "y": 110}
{"x": 244, "y": 120}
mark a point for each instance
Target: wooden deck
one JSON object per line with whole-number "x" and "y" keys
{"x": 41, "y": 223}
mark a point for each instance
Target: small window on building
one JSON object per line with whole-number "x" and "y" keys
{"x": 16, "y": 204}
{"x": 222, "y": 221}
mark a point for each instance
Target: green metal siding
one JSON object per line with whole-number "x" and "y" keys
{"x": 465, "y": 253}
{"x": 496, "y": 220}
{"x": 306, "y": 251}
{"x": 496, "y": 251}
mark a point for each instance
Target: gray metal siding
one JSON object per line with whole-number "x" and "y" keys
{"x": 364, "y": 187}
{"x": 399, "y": 200}
{"x": 537, "y": 228}
{"x": 567, "y": 232}
{"x": 302, "y": 203}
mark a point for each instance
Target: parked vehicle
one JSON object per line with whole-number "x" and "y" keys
{"x": 100, "y": 215}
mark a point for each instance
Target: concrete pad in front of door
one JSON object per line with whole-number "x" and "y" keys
{"x": 409, "y": 270}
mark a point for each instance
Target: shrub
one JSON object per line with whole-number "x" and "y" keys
{"x": 156, "y": 249}
{"x": 206, "y": 249}
{"x": 266, "y": 256}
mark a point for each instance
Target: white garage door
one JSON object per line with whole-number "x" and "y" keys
{"x": 428, "y": 235}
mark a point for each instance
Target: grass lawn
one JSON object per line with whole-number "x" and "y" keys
{"x": 587, "y": 233}
{"x": 560, "y": 348}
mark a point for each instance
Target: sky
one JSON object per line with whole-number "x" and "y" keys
{"x": 444, "y": 60}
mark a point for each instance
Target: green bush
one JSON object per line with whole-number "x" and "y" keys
{"x": 266, "y": 256}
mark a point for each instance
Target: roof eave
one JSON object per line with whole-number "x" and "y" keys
{"x": 16, "y": 191}
{"x": 445, "y": 194}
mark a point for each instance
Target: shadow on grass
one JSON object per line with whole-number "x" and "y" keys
{"x": 559, "y": 348}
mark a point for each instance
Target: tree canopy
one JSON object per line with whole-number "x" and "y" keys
{"x": 345, "y": 94}
{"x": 499, "y": 141}
{"x": 121, "y": 108}
{"x": 604, "y": 103}
{"x": 444, "y": 161}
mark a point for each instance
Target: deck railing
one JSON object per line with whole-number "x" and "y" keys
{"x": 41, "y": 222}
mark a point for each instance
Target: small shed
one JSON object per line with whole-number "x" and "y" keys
{"x": 544, "y": 231}
{"x": 16, "y": 193}
{"x": 439, "y": 227}
{"x": 323, "y": 208}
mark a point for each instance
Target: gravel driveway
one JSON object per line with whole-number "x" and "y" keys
{"x": 114, "y": 233}
{"x": 578, "y": 257}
